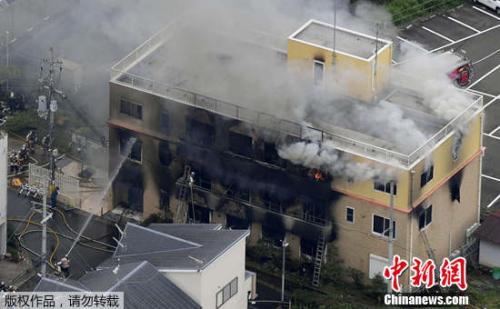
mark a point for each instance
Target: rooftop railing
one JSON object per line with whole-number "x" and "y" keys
{"x": 120, "y": 75}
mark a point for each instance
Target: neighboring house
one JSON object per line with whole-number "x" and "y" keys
{"x": 142, "y": 286}
{"x": 489, "y": 241}
{"x": 172, "y": 266}
{"x": 205, "y": 261}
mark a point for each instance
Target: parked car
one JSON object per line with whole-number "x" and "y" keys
{"x": 492, "y": 4}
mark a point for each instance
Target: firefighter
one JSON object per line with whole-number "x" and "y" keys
{"x": 64, "y": 265}
{"x": 53, "y": 196}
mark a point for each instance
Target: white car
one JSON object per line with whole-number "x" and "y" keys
{"x": 492, "y": 4}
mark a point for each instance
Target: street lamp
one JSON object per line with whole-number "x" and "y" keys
{"x": 284, "y": 244}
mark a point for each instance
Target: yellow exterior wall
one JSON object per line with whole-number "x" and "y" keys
{"x": 353, "y": 74}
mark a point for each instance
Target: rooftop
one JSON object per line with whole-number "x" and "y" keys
{"x": 142, "y": 284}
{"x": 175, "y": 246}
{"x": 219, "y": 76}
{"x": 346, "y": 41}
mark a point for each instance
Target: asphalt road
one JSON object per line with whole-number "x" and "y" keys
{"x": 82, "y": 258}
{"x": 476, "y": 30}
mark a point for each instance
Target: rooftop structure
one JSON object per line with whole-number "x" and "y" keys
{"x": 175, "y": 246}
{"x": 157, "y": 67}
{"x": 142, "y": 285}
{"x": 346, "y": 41}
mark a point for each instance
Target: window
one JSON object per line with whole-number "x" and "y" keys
{"x": 164, "y": 200}
{"x": 425, "y": 217}
{"x": 454, "y": 184}
{"x": 131, "y": 109}
{"x": 164, "y": 154}
{"x": 228, "y": 291}
{"x": 426, "y": 176}
{"x": 238, "y": 193}
{"x": 202, "y": 179}
{"x": 319, "y": 69}
{"x": 349, "y": 216}
{"x": 271, "y": 154}
{"x": 381, "y": 226}
{"x": 272, "y": 202}
{"x": 130, "y": 148}
{"x": 164, "y": 121}
{"x": 385, "y": 187}
{"x": 200, "y": 133}
{"x": 240, "y": 144}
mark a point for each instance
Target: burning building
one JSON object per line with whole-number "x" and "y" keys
{"x": 308, "y": 158}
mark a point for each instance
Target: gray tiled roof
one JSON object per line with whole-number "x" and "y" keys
{"x": 143, "y": 286}
{"x": 185, "y": 246}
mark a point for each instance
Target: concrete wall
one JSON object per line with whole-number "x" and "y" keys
{"x": 489, "y": 254}
{"x": 189, "y": 282}
{"x": 220, "y": 273}
{"x": 3, "y": 193}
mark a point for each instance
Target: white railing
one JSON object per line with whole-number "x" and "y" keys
{"x": 120, "y": 75}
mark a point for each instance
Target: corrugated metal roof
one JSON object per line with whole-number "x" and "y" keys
{"x": 490, "y": 228}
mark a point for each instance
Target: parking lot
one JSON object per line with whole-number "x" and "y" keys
{"x": 476, "y": 30}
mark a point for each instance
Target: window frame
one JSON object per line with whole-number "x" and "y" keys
{"x": 316, "y": 64}
{"x": 222, "y": 298}
{"x": 426, "y": 176}
{"x": 377, "y": 185}
{"x": 129, "y": 111}
{"x": 426, "y": 213}
{"x": 164, "y": 128}
{"x": 347, "y": 215}
{"x": 137, "y": 142}
{"x": 383, "y": 234}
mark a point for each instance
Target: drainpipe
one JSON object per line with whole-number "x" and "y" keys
{"x": 412, "y": 172}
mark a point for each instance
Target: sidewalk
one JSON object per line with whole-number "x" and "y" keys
{"x": 16, "y": 274}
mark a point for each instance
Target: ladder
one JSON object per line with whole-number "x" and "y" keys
{"x": 318, "y": 259}
{"x": 181, "y": 213}
{"x": 430, "y": 253}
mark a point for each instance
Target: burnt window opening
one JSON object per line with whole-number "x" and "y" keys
{"x": 349, "y": 215}
{"x": 241, "y": 144}
{"x": 130, "y": 148}
{"x": 271, "y": 154}
{"x": 135, "y": 198}
{"x": 385, "y": 187}
{"x": 236, "y": 223}
{"x": 164, "y": 200}
{"x": 164, "y": 154}
{"x": 308, "y": 247}
{"x": 425, "y": 217}
{"x": 381, "y": 226}
{"x": 131, "y": 109}
{"x": 272, "y": 235}
{"x": 200, "y": 133}
{"x": 319, "y": 71}
{"x": 202, "y": 178}
{"x": 426, "y": 176}
{"x": 272, "y": 202}
{"x": 201, "y": 214}
{"x": 455, "y": 183}
{"x": 314, "y": 212}
{"x": 164, "y": 121}
{"x": 238, "y": 192}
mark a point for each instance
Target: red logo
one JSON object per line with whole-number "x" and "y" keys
{"x": 450, "y": 273}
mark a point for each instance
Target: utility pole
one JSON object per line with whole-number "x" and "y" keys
{"x": 44, "y": 235}
{"x": 284, "y": 244}
{"x": 47, "y": 83}
{"x": 7, "y": 58}
{"x": 390, "y": 238}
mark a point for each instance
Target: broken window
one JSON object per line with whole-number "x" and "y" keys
{"x": 385, "y": 187}
{"x": 135, "y": 198}
{"x": 272, "y": 202}
{"x": 381, "y": 226}
{"x": 239, "y": 193}
{"x": 425, "y": 217}
{"x": 129, "y": 147}
{"x": 313, "y": 211}
{"x": 240, "y": 144}
{"x": 164, "y": 154}
{"x": 427, "y": 176}
{"x": 131, "y": 109}
{"x": 201, "y": 214}
{"x": 200, "y": 133}
{"x": 272, "y": 235}
{"x": 202, "y": 178}
{"x": 455, "y": 183}
{"x": 308, "y": 247}
{"x": 271, "y": 154}
{"x": 236, "y": 223}
{"x": 164, "y": 121}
